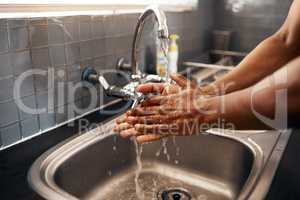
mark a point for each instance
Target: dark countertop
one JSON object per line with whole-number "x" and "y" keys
{"x": 16, "y": 160}
{"x": 286, "y": 184}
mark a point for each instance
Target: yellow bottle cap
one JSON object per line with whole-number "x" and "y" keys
{"x": 173, "y": 47}
{"x": 174, "y": 37}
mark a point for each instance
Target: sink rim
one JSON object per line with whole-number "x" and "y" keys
{"x": 41, "y": 173}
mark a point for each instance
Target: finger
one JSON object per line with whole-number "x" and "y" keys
{"x": 171, "y": 89}
{"x": 173, "y": 115}
{"x": 144, "y": 111}
{"x": 156, "y": 100}
{"x": 153, "y": 119}
{"x": 161, "y": 129}
{"x": 167, "y": 109}
{"x": 182, "y": 81}
{"x": 121, "y": 120}
{"x": 149, "y": 138}
{"x": 150, "y": 88}
{"x": 128, "y": 133}
{"x": 122, "y": 127}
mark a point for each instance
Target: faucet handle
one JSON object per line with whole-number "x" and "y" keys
{"x": 123, "y": 65}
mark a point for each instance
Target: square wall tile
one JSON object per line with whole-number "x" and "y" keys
{"x": 29, "y": 127}
{"x": 38, "y": 21}
{"x": 57, "y": 55}
{"x": 86, "y": 50}
{"x": 109, "y": 25}
{"x": 39, "y": 35}
{"x": 72, "y": 53}
{"x": 124, "y": 44}
{"x": 110, "y": 46}
{"x": 56, "y": 33}
{"x": 18, "y": 22}
{"x": 74, "y": 73}
{"x": 26, "y": 86}
{"x": 41, "y": 83}
{"x": 11, "y": 113}
{"x": 45, "y": 101}
{"x": 61, "y": 94}
{"x": 70, "y": 19}
{"x": 73, "y": 109}
{"x": 4, "y": 42}
{"x": 47, "y": 120}
{"x": 19, "y": 38}
{"x": 99, "y": 63}
{"x": 98, "y": 47}
{"x": 121, "y": 24}
{"x": 10, "y": 134}
{"x": 97, "y": 26}
{"x": 61, "y": 114}
{"x": 85, "y": 31}
{"x": 89, "y": 103}
{"x": 110, "y": 61}
{"x": 6, "y": 89}
{"x": 3, "y": 23}
{"x": 6, "y": 68}
{"x": 21, "y": 62}
{"x": 71, "y": 32}
{"x": 30, "y": 102}
{"x": 40, "y": 57}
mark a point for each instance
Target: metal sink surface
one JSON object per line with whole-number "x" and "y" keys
{"x": 218, "y": 164}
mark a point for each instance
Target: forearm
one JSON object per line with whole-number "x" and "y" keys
{"x": 269, "y": 56}
{"x": 235, "y": 111}
{"x": 275, "y": 97}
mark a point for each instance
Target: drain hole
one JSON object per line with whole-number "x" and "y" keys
{"x": 174, "y": 194}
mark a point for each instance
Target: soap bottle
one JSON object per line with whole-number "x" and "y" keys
{"x": 173, "y": 54}
{"x": 162, "y": 60}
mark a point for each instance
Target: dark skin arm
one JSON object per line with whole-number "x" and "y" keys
{"x": 183, "y": 118}
{"x": 269, "y": 56}
{"x": 266, "y": 58}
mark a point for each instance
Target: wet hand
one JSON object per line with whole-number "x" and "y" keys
{"x": 126, "y": 126}
{"x": 179, "y": 114}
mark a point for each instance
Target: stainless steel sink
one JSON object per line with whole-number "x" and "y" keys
{"x": 216, "y": 165}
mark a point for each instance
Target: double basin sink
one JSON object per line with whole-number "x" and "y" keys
{"x": 214, "y": 165}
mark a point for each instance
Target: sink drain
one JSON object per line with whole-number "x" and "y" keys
{"x": 174, "y": 194}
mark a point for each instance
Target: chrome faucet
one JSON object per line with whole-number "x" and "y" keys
{"x": 163, "y": 34}
{"x": 137, "y": 77}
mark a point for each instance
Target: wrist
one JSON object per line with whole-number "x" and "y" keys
{"x": 209, "y": 108}
{"x": 210, "y": 89}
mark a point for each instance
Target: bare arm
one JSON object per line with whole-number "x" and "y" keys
{"x": 189, "y": 112}
{"x": 267, "y": 57}
{"x": 261, "y": 98}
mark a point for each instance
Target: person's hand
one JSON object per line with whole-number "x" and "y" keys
{"x": 180, "y": 114}
{"x": 126, "y": 128}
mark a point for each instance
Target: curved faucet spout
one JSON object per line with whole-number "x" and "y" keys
{"x": 163, "y": 33}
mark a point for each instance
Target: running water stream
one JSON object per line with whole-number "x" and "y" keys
{"x": 139, "y": 149}
{"x": 138, "y": 189}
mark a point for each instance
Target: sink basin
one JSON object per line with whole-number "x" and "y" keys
{"x": 101, "y": 165}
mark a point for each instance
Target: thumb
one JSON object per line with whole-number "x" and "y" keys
{"x": 182, "y": 81}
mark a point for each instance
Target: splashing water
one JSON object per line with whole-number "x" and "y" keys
{"x": 138, "y": 189}
{"x": 164, "y": 144}
{"x": 157, "y": 154}
{"x": 114, "y": 148}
